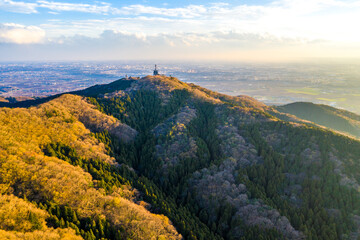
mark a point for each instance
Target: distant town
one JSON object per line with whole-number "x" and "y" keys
{"x": 335, "y": 85}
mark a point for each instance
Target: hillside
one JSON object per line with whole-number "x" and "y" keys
{"x": 337, "y": 119}
{"x": 30, "y": 171}
{"x": 156, "y": 158}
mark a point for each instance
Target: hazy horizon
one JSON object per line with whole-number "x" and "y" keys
{"x": 333, "y": 83}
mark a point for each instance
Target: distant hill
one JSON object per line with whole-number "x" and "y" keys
{"x": 337, "y": 119}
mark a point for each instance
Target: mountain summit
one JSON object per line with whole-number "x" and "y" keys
{"x": 156, "y": 158}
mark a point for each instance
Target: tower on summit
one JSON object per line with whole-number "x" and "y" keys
{"x": 156, "y": 72}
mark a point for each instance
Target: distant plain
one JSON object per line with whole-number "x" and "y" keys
{"x": 333, "y": 83}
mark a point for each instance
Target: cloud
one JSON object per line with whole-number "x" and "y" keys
{"x": 32, "y": 7}
{"x": 208, "y": 30}
{"x": 104, "y": 8}
{"x": 325, "y": 19}
{"x": 113, "y": 45}
{"x": 18, "y": 7}
{"x": 189, "y": 11}
{"x": 20, "y": 34}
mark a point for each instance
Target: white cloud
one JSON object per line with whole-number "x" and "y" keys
{"x": 326, "y": 19}
{"x": 117, "y": 45}
{"x": 203, "y": 29}
{"x": 19, "y": 7}
{"x": 104, "y": 8}
{"x": 15, "y": 33}
{"x": 32, "y": 7}
{"x": 190, "y": 11}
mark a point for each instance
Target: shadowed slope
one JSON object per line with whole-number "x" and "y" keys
{"x": 324, "y": 115}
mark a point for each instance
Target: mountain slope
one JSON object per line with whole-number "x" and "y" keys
{"x": 50, "y": 182}
{"x": 216, "y": 166}
{"x": 234, "y": 134}
{"x": 324, "y": 115}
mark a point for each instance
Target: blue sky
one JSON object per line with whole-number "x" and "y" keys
{"x": 179, "y": 30}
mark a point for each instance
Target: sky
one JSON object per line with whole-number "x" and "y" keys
{"x": 238, "y": 30}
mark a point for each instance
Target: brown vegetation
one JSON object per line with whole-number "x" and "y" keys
{"x": 27, "y": 173}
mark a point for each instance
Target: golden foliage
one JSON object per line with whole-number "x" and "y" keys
{"x": 19, "y": 215}
{"x": 48, "y": 234}
{"x": 25, "y": 171}
{"x": 91, "y": 117}
{"x": 168, "y": 84}
{"x": 20, "y": 219}
{"x": 23, "y": 131}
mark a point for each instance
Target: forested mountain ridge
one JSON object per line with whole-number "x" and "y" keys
{"x": 156, "y": 158}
